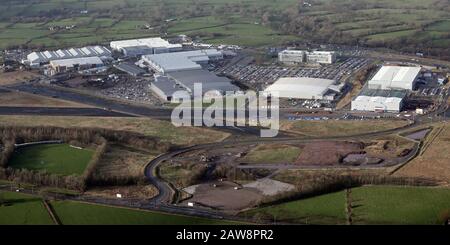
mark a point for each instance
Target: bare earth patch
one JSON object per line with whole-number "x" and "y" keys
{"x": 327, "y": 153}
{"x": 8, "y": 78}
{"x": 270, "y": 187}
{"x": 224, "y": 196}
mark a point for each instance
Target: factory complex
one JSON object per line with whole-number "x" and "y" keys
{"x": 387, "y": 90}
{"x": 183, "y": 69}
{"x": 156, "y": 70}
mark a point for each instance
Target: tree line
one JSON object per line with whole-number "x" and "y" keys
{"x": 12, "y": 135}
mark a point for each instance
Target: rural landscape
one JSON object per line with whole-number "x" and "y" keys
{"x": 358, "y": 91}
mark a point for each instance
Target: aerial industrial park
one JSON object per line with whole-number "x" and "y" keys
{"x": 88, "y": 134}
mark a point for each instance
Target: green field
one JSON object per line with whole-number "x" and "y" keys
{"x": 371, "y": 205}
{"x": 52, "y": 158}
{"x": 242, "y": 22}
{"x": 272, "y": 154}
{"x": 23, "y": 209}
{"x": 74, "y": 213}
{"x": 29, "y": 210}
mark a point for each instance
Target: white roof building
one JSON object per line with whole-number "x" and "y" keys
{"x": 302, "y": 88}
{"x": 181, "y": 61}
{"x": 36, "y": 59}
{"x": 379, "y": 100}
{"x": 395, "y": 77}
{"x": 158, "y": 45}
{"x": 69, "y": 63}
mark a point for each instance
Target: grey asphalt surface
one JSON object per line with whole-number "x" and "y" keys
{"x": 57, "y": 111}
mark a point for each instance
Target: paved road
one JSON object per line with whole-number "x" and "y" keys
{"x": 58, "y": 111}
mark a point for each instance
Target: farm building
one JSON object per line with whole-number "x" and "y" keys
{"x": 395, "y": 77}
{"x": 181, "y": 61}
{"x": 58, "y": 66}
{"x": 379, "y": 100}
{"x": 36, "y": 59}
{"x": 143, "y": 46}
{"x": 304, "y": 88}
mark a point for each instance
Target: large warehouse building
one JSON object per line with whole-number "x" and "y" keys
{"x": 181, "y": 70}
{"x": 144, "y": 46}
{"x": 181, "y": 61}
{"x": 58, "y": 66}
{"x": 36, "y": 59}
{"x": 378, "y": 100}
{"x": 292, "y": 57}
{"x": 395, "y": 77}
{"x": 304, "y": 88}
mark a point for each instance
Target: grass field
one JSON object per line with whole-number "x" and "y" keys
{"x": 371, "y": 205}
{"x": 23, "y": 210}
{"x": 434, "y": 162}
{"x": 217, "y": 31}
{"x": 325, "y": 209}
{"x": 272, "y": 154}
{"x": 53, "y": 158}
{"x": 30, "y": 100}
{"x": 74, "y": 213}
{"x": 228, "y": 22}
{"x": 150, "y": 127}
{"x": 339, "y": 128}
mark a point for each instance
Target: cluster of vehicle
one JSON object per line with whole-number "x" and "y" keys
{"x": 432, "y": 91}
{"x": 259, "y": 76}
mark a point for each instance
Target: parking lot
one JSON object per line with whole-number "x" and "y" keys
{"x": 260, "y": 76}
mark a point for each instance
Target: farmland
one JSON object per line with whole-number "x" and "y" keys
{"x": 23, "y": 210}
{"x": 53, "y": 158}
{"x": 372, "y": 205}
{"x": 247, "y": 23}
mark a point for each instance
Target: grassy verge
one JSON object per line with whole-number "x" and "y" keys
{"x": 332, "y": 128}
{"x": 149, "y": 127}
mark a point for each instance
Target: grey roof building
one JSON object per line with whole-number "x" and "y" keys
{"x": 36, "y": 59}
{"x": 131, "y": 69}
